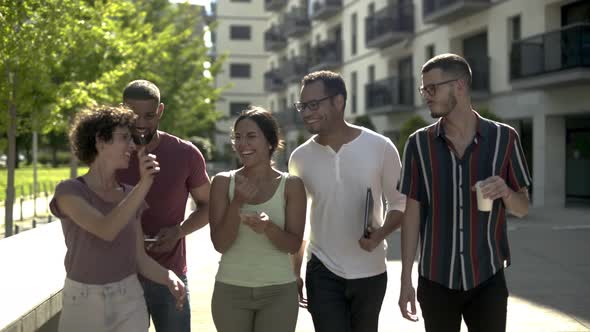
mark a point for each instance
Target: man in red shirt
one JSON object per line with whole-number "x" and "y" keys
{"x": 182, "y": 171}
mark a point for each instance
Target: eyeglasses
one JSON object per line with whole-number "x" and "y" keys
{"x": 313, "y": 105}
{"x": 430, "y": 89}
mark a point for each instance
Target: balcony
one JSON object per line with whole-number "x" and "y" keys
{"x": 480, "y": 72}
{"x": 559, "y": 57}
{"x": 296, "y": 22}
{"x": 274, "y": 5}
{"x": 324, "y": 9}
{"x": 274, "y": 39}
{"x": 392, "y": 94}
{"x": 326, "y": 55}
{"x": 389, "y": 25}
{"x": 444, "y": 11}
{"x": 294, "y": 69}
{"x": 273, "y": 82}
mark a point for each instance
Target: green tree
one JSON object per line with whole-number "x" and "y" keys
{"x": 59, "y": 56}
{"x": 364, "y": 121}
{"x": 178, "y": 62}
{"x": 30, "y": 34}
{"x": 486, "y": 113}
{"x": 408, "y": 128}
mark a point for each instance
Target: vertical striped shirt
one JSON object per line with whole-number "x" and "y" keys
{"x": 460, "y": 246}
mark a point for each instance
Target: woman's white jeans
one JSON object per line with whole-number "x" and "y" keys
{"x": 113, "y": 307}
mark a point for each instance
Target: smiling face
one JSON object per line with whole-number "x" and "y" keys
{"x": 250, "y": 143}
{"x": 321, "y": 119}
{"x": 148, "y": 113}
{"x": 118, "y": 150}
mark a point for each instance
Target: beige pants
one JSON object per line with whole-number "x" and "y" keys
{"x": 118, "y": 306}
{"x": 255, "y": 309}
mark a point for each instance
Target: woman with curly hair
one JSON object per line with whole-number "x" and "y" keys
{"x": 100, "y": 221}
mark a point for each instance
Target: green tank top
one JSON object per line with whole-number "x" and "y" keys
{"x": 252, "y": 260}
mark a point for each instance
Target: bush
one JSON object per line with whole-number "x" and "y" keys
{"x": 62, "y": 158}
{"x": 408, "y": 128}
{"x": 364, "y": 121}
{"x": 484, "y": 112}
{"x": 204, "y": 145}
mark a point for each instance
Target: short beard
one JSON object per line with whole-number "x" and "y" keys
{"x": 450, "y": 106}
{"x": 147, "y": 138}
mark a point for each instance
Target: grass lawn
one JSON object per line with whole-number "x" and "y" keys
{"x": 47, "y": 178}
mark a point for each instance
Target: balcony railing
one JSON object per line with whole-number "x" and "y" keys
{"x": 323, "y": 9}
{"x": 297, "y": 22}
{"x": 273, "y": 81}
{"x": 326, "y": 55}
{"x": 392, "y": 94}
{"x": 480, "y": 72}
{"x": 389, "y": 25}
{"x": 443, "y": 11}
{"x": 556, "y": 57}
{"x": 274, "y": 39}
{"x": 275, "y": 5}
{"x": 294, "y": 69}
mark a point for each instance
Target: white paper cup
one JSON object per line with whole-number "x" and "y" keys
{"x": 483, "y": 204}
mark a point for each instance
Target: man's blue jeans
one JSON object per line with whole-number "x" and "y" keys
{"x": 161, "y": 306}
{"x": 343, "y": 305}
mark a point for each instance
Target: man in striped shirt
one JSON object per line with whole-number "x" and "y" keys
{"x": 463, "y": 250}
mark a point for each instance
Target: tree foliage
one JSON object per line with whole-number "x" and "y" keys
{"x": 60, "y": 56}
{"x": 408, "y": 128}
{"x": 364, "y": 121}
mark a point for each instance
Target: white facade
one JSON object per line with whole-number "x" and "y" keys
{"x": 530, "y": 62}
{"x": 247, "y": 88}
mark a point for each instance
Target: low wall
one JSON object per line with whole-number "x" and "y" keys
{"x": 32, "y": 279}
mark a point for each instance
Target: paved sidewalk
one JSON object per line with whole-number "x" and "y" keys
{"x": 548, "y": 281}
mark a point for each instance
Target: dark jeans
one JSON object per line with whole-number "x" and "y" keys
{"x": 483, "y": 308}
{"x": 343, "y": 305}
{"x": 161, "y": 306}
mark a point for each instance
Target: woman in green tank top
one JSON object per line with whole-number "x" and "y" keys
{"x": 257, "y": 218}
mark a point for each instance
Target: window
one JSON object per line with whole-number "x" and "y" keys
{"x": 371, "y": 73}
{"x": 237, "y": 107}
{"x": 514, "y": 26}
{"x": 239, "y": 70}
{"x": 371, "y": 9}
{"x": 429, "y": 52}
{"x": 240, "y": 32}
{"x": 353, "y": 97}
{"x": 353, "y": 28}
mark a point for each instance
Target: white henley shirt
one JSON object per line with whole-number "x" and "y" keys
{"x": 336, "y": 185}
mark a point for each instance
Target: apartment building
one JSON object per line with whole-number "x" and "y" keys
{"x": 530, "y": 61}
{"x": 239, "y": 37}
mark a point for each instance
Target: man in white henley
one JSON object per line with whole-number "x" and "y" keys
{"x": 346, "y": 274}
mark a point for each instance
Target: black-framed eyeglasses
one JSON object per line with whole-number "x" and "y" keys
{"x": 430, "y": 89}
{"x": 313, "y": 105}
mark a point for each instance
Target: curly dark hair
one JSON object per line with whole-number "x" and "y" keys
{"x": 99, "y": 121}
{"x": 267, "y": 124}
